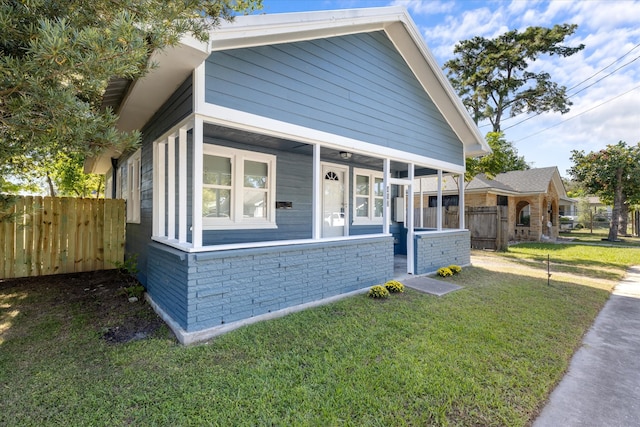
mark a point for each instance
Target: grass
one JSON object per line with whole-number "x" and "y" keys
{"x": 488, "y": 354}
{"x": 586, "y": 236}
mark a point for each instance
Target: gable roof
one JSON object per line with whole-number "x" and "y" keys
{"x": 531, "y": 181}
{"x": 395, "y": 21}
{"x": 144, "y": 96}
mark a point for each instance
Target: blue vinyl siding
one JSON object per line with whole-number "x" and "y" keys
{"x": 177, "y": 107}
{"x": 357, "y": 86}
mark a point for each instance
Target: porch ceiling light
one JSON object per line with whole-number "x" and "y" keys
{"x": 346, "y": 155}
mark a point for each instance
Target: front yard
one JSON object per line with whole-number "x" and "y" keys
{"x": 76, "y": 352}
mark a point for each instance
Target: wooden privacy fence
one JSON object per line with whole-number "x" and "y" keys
{"x": 56, "y": 235}
{"x": 429, "y": 217}
{"x": 488, "y": 227}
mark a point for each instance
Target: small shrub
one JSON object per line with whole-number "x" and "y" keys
{"x": 378, "y": 291}
{"x": 394, "y": 286}
{"x": 455, "y": 269}
{"x": 134, "y": 291}
{"x": 445, "y": 272}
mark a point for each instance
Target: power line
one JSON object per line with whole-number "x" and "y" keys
{"x": 604, "y": 77}
{"x": 600, "y": 71}
{"x": 578, "y": 115}
{"x": 578, "y": 84}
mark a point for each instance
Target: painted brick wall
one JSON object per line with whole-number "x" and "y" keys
{"x": 205, "y": 290}
{"x": 435, "y": 250}
{"x": 167, "y": 280}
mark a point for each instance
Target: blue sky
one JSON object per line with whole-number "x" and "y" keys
{"x": 604, "y": 78}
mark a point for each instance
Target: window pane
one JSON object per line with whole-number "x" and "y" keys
{"x": 255, "y": 174}
{"x": 216, "y": 203}
{"x": 362, "y": 207}
{"x": 217, "y": 170}
{"x": 362, "y": 185}
{"x": 378, "y": 187}
{"x": 377, "y": 210}
{"x": 255, "y": 204}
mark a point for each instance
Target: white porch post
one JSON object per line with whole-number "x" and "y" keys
{"x": 421, "y": 205}
{"x": 386, "y": 206}
{"x": 182, "y": 185}
{"x": 439, "y": 211}
{"x": 461, "y": 202}
{"x": 198, "y": 168}
{"x": 156, "y": 190}
{"x": 171, "y": 187}
{"x": 316, "y": 229}
{"x": 409, "y": 220}
{"x": 159, "y": 213}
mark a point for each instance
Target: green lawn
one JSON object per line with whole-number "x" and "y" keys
{"x": 595, "y": 237}
{"x": 488, "y": 354}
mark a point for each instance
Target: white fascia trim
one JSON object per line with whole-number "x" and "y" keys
{"x": 260, "y": 30}
{"x": 188, "y": 247}
{"x": 257, "y": 124}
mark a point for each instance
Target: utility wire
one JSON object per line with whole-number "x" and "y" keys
{"x": 578, "y": 115}
{"x": 578, "y": 84}
{"x": 575, "y": 93}
{"x": 598, "y": 72}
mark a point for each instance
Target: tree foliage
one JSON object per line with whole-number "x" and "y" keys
{"x": 492, "y": 76}
{"x": 57, "y": 56}
{"x": 504, "y": 158}
{"x": 613, "y": 174}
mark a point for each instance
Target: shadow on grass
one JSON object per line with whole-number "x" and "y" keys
{"x": 488, "y": 354}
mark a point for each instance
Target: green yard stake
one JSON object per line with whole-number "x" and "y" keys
{"x": 548, "y": 270}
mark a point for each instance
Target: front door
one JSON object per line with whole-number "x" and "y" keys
{"x": 334, "y": 188}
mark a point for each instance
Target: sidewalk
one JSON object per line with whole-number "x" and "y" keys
{"x": 602, "y": 386}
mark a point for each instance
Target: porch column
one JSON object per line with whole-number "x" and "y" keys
{"x": 159, "y": 149}
{"x": 421, "y": 205}
{"x": 461, "y": 209}
{"x": 409, "y": 219}
{"x": 182, "y": 185}
{"x": 171, "y": 187}
{"x": 386, "y": 201}
{"x": 316, "y": 203}
{"x": 198, "y": 168}
{"x": 439, "y": 197}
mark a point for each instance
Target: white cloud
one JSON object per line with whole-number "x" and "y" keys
{"x": 424, "y": 8}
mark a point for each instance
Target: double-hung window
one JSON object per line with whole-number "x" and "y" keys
{"x": 368, "y": 194}
{"x": 131, "y": 187}
{"x": 238, "y": 188}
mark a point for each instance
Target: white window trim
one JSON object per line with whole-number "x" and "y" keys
{"x": 237, "y": 220}
{"x": 370, "y": 219}
{"x": 132, "y": 190}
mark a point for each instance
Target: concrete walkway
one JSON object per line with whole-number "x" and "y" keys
{"x": 602, "y": 386}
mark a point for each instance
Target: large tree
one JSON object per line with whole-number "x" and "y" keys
{"x": 504, "y": 158}
{"x": 613, "y": 174}
{"x": 492, "y": 77}
{"x": 57, "y": 56}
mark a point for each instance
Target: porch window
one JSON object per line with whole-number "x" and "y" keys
{"x": 368, "y": 196}
{"x": 238, "y": 189}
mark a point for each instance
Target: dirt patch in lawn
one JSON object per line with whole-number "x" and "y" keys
{"x": 98, "y": 299}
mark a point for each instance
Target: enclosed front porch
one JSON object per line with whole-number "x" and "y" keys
{"x": 247, "y": 224}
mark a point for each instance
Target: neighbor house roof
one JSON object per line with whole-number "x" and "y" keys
{"x": 147, "y": 94}
{"x": 531, "y": 181}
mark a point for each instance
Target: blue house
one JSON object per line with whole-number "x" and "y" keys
{"x": 275, "y": 164}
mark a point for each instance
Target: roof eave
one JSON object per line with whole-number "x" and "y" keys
{"x": 171, "y": 67}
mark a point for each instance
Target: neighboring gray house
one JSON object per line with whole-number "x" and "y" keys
{"x": 270, "y": 160}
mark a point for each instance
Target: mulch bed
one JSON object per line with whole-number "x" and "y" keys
{"x": 96, "y": 296}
